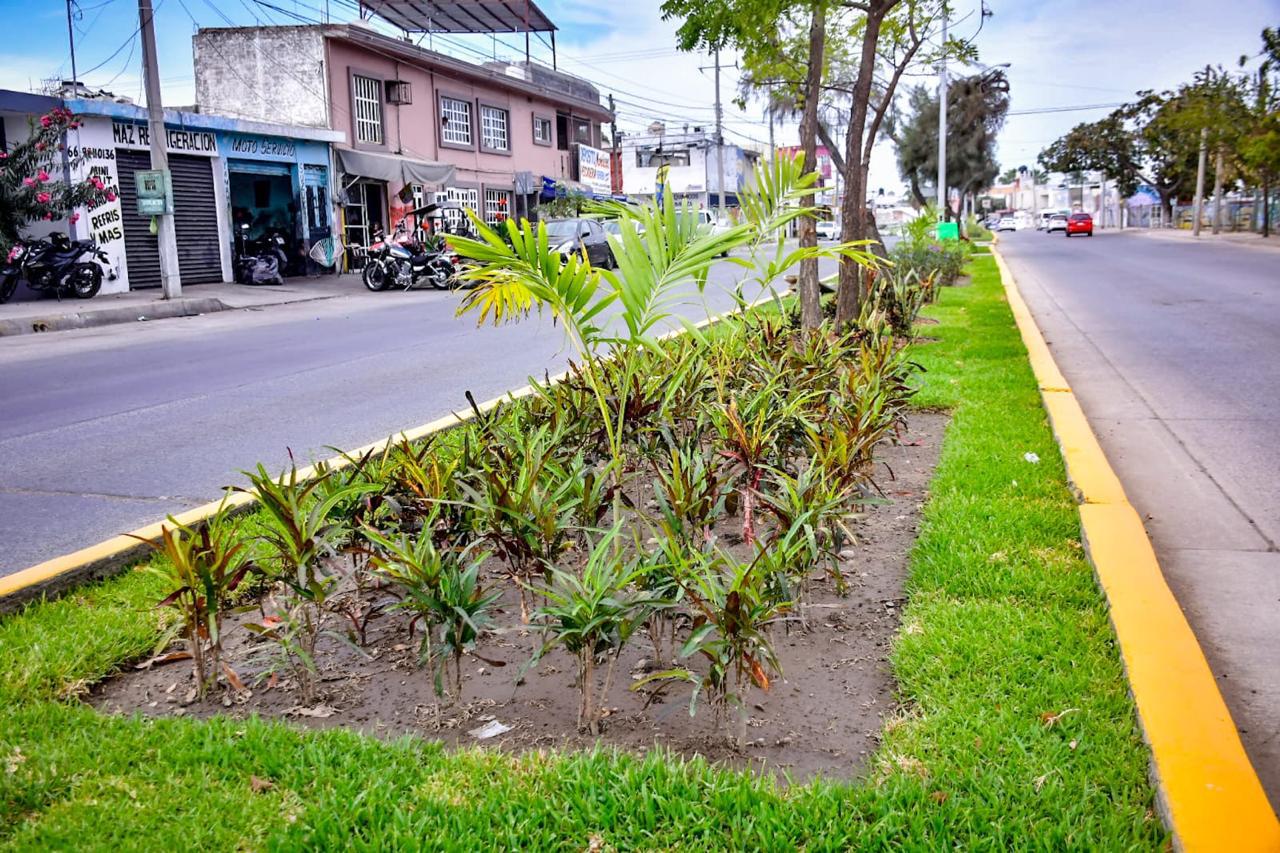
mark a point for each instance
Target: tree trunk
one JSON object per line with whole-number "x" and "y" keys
{"x": 1217, "y": 191}
{"x": 810, "y": 290}
{"x": 853, "y": 209}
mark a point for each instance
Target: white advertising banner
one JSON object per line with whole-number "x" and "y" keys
{"x": 593, "y": 169}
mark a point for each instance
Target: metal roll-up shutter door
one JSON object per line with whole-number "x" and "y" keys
{"x": 195, "y": 221}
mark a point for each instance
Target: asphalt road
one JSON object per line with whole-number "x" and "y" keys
{"x": 1173, "y": 349}
{"x": 105, "y": 430}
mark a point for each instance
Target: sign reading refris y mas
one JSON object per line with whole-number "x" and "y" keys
{"x": 127, "y": 134}
{"x": 593, "y": 169}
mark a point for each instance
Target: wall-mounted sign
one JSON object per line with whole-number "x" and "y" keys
{"x": 593, "y": 169}
{"x": 259, "y": 147}
{"x": 155, "y": 192}
{"x": 127, "y": 134}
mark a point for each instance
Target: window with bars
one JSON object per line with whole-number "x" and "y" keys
{"x": 542, "y": 130}
{"x": 366, "y": 94}
{"x": 455, "y": 121}
{"x": 469, "y": 198}
{"x": 497, "y": 206}
{"x": 493, "y": 128}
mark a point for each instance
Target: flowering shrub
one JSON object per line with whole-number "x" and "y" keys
{"x": 28, "y": 189}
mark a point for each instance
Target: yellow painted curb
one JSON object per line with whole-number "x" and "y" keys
{"x": 1208, "y": 791}
{"x": 109, "y": 556}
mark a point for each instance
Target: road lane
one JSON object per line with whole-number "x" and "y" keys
{"x": 1173, "y": 350}
{"x": 104, "y": 430}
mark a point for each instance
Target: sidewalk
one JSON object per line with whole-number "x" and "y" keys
{"x": 1241, "y": 238}
{"x": 51, "y": 315}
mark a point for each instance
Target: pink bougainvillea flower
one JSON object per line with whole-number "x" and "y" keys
{"x": 97, "y": 182}
{"x": 45, "y": 121}
{"x": 111, "y": 196}
{"x": 4, "y": 155}
{"x": 40, "y": 146}
{"x": 75, "y": 217}
{"x": 43, "y": 198}
{"x": 48, "y": 216}
{"x": 30, "y": 182}
{"x": 43, "y": 177}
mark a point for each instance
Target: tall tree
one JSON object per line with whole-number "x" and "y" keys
{"x": 1259, "y": 146}
{"x": 977, "y": 106}
{"x": 772, "y": 36}
{"x": 892, "y": 36}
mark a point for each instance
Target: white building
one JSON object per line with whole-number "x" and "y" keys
{"x": 692, "y": 161}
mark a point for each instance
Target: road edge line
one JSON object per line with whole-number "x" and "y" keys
{"x": 1207, "y": 790}
{"x": 113, "y": 555}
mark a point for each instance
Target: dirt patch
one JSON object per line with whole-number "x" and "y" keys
{"x": 823, "y": 717}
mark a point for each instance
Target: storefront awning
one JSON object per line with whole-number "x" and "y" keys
{"x": 385, "y": 167}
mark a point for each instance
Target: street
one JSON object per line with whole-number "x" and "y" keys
{"x": 1171, "y": 349}
{"x": 105, "y": 430}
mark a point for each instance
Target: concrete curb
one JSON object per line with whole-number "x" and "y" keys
{"x": 1207, "y": 790}
{"x": 113, "y": 555}
{"x": 110, "y": 316}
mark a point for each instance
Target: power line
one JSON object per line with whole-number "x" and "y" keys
{"x": 1071, "y": 109}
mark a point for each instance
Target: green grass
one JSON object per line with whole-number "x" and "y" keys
{"x": 1004, "y": 625}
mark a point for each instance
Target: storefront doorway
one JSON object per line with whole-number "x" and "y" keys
{"x": 364, "y": 212}
{"x": 195, "y": 220}
{"x": 263, "y": 206}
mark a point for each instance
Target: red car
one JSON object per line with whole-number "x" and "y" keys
{"x": 1079, "y": 223}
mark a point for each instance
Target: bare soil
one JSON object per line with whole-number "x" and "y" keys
{"x": 822, "y": 717}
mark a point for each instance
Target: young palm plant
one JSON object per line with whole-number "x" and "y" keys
{"x": 734, "y": 606}
{"x": 441, "y": 588}
{"x": 300, "y": 535}
{"x": 201, "y": 568}
{"x": 592, "y": 615}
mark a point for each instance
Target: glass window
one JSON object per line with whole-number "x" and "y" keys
{"x": 367, "y": 94}
{"x": 455, "y": 121}
{"x": 468, "y": 198}
{"x": 542, "y": 130}
{"x": 497, "y": 206}
{"x": 493, "y": 129}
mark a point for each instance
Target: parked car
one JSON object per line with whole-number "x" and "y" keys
{"x": 826, "y": 229}
{"x": 992, "y": 222}
{"x": 1079, "y": 223}
{"x": 1055, "y": 222}
{"x": 568, "y": 236}
{"x": 1007, "y": 223}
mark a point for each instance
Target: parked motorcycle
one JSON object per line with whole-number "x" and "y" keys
{"x": 261, "y": 261}
{"x": 54, "y": 264}
{"x": 403, "y": 261}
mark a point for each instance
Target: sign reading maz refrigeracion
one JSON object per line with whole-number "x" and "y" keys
{"x": 178, "y": 141}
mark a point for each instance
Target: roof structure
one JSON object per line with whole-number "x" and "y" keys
{"x": 462, "y": 16}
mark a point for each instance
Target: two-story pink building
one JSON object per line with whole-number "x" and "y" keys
{"x": 417, "y": 122}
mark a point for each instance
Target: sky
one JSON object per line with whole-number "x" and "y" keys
{"x": 1062, "y": 55}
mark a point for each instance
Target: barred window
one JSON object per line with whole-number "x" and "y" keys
{"x": 493, "y": 128}
{"x": 455, "y": 121}
{"x": 468, "y": 198}
{"x": 367, "y": 95}
{"x": 497, "y": 206}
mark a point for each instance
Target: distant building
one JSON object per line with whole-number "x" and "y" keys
{"x": 692, "y": 170}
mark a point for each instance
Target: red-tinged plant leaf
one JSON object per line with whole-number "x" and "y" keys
{"x": 232, "y": 678}
{"x": 168, "y": 657}
{"x": 172, "y": 597}
{"x": 489, "y": 661}
{"x": 758, "y": 675}
{"x": 271, "y": 621}
{"x": 1050, "y": 719}
{"x": 273, "y": 680}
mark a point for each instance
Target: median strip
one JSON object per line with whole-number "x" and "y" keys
{"x": 1207, "y": 788}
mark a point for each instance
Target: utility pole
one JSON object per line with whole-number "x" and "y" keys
{"x": 719, "y": 143}
{"x": 1204, "y": 153}
{"x": 66, "y": 141}
{"x": 166, "y": 235}
{"x": 942, "y": 124}
{"x": 1217, "y": 190}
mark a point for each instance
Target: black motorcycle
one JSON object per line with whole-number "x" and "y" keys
{"x": 56, "y": 265}
{"x": 404, "y": 261}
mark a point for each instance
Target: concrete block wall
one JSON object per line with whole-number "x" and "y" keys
{"x": 274, "y": 74}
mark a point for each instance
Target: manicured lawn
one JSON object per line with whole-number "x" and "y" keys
{"x": 1005, "y": 631}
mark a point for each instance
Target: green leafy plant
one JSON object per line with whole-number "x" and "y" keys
{"x": 733, "y": 604}
{"x": 592, "y": 614}
{"x": 201, "y": 568}
{"x": 441, "y": 588}
{"x": 689, "y": 490}
{"x": 299, "y": 534}
{"x": 810, "y": 511}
